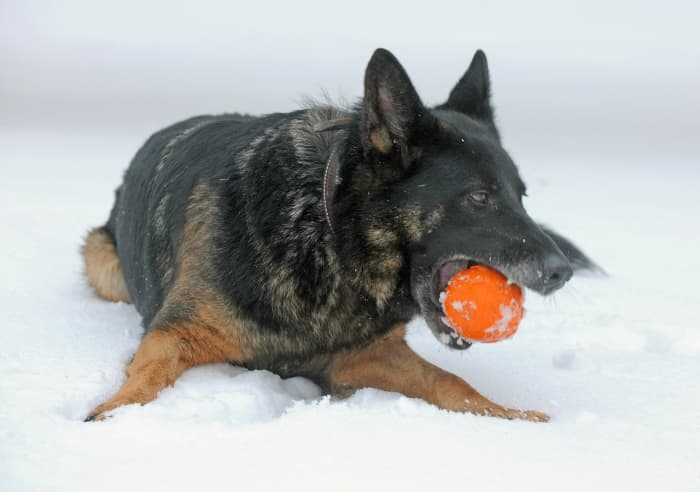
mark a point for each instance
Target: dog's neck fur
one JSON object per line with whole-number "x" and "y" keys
{"x": 365, "y": 241}
{"x": 367, "y": 237}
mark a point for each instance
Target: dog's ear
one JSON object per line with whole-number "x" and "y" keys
{"x": 392, "y": 110}
{"x": 472, "y": 94}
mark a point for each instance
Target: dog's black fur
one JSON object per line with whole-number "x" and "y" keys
{"x": 420, "y": 193}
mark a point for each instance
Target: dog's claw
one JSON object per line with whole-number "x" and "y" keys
{"x": 95, "y": 417}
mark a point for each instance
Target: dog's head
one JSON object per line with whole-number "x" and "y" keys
{"x": 448, "y": 164}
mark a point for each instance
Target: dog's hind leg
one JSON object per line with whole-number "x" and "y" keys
{"x": 102, "y": 268}
{"x": 389, "y": 364}
{"x": 166, "y": 352}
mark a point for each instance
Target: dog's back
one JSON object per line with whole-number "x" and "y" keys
{"x": 148, "y": 215}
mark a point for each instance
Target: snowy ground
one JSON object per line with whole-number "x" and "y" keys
{"x": 613, "y": 360}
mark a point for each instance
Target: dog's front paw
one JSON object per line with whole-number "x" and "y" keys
{"x": 101, "y": 412}
{"x": 531, "y": 415}
{"x": 491, "y": 409}
{"x": 97, "y": 415}
{"x": 453, "y": 393}
{"x": 94, "y": 417}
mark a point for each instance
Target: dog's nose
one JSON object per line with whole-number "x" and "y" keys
{"x": 556, "y": 271}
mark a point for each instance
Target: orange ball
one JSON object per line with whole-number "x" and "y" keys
{"x": 481, "y": 305}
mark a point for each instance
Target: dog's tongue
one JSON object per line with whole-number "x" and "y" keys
{"x": 449, "y": 269}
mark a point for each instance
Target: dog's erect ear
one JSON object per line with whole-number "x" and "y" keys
{"x": 392, "y": 108}
{"x": 472, "y": 93}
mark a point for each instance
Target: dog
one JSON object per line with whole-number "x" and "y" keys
{"x": 303, "y": 242}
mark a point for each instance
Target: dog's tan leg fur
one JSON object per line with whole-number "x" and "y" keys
{"x": 390, "y": 364}
{"x": 164, "y": 354}
{"x": 102, "y": 267}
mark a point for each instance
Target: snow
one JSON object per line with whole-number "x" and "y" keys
{"x": 614, "y": 361}
{"x": 458, "y": 306}
{"x": 502, "y": 324}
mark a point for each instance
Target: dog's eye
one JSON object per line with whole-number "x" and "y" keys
{"x": 479, "y": 197}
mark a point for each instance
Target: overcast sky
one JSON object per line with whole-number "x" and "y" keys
{"x": 594, "y": 77}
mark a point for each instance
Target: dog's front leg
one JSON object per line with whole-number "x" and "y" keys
{"x": 389, "y": 364}
{"x": 166, "y": 352}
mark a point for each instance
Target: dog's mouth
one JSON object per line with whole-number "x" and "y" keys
{"x": 444, "y": 273}
{"x": 433, "y": 310}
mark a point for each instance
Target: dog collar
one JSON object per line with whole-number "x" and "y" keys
{"x": 330, "y": 175}
{"x": 330, "y": 180}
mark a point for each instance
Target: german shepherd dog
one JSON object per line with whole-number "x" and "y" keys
{"x": 303, "y": 242}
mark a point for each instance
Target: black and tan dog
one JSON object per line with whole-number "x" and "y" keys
{"x": 303, "y": 242}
